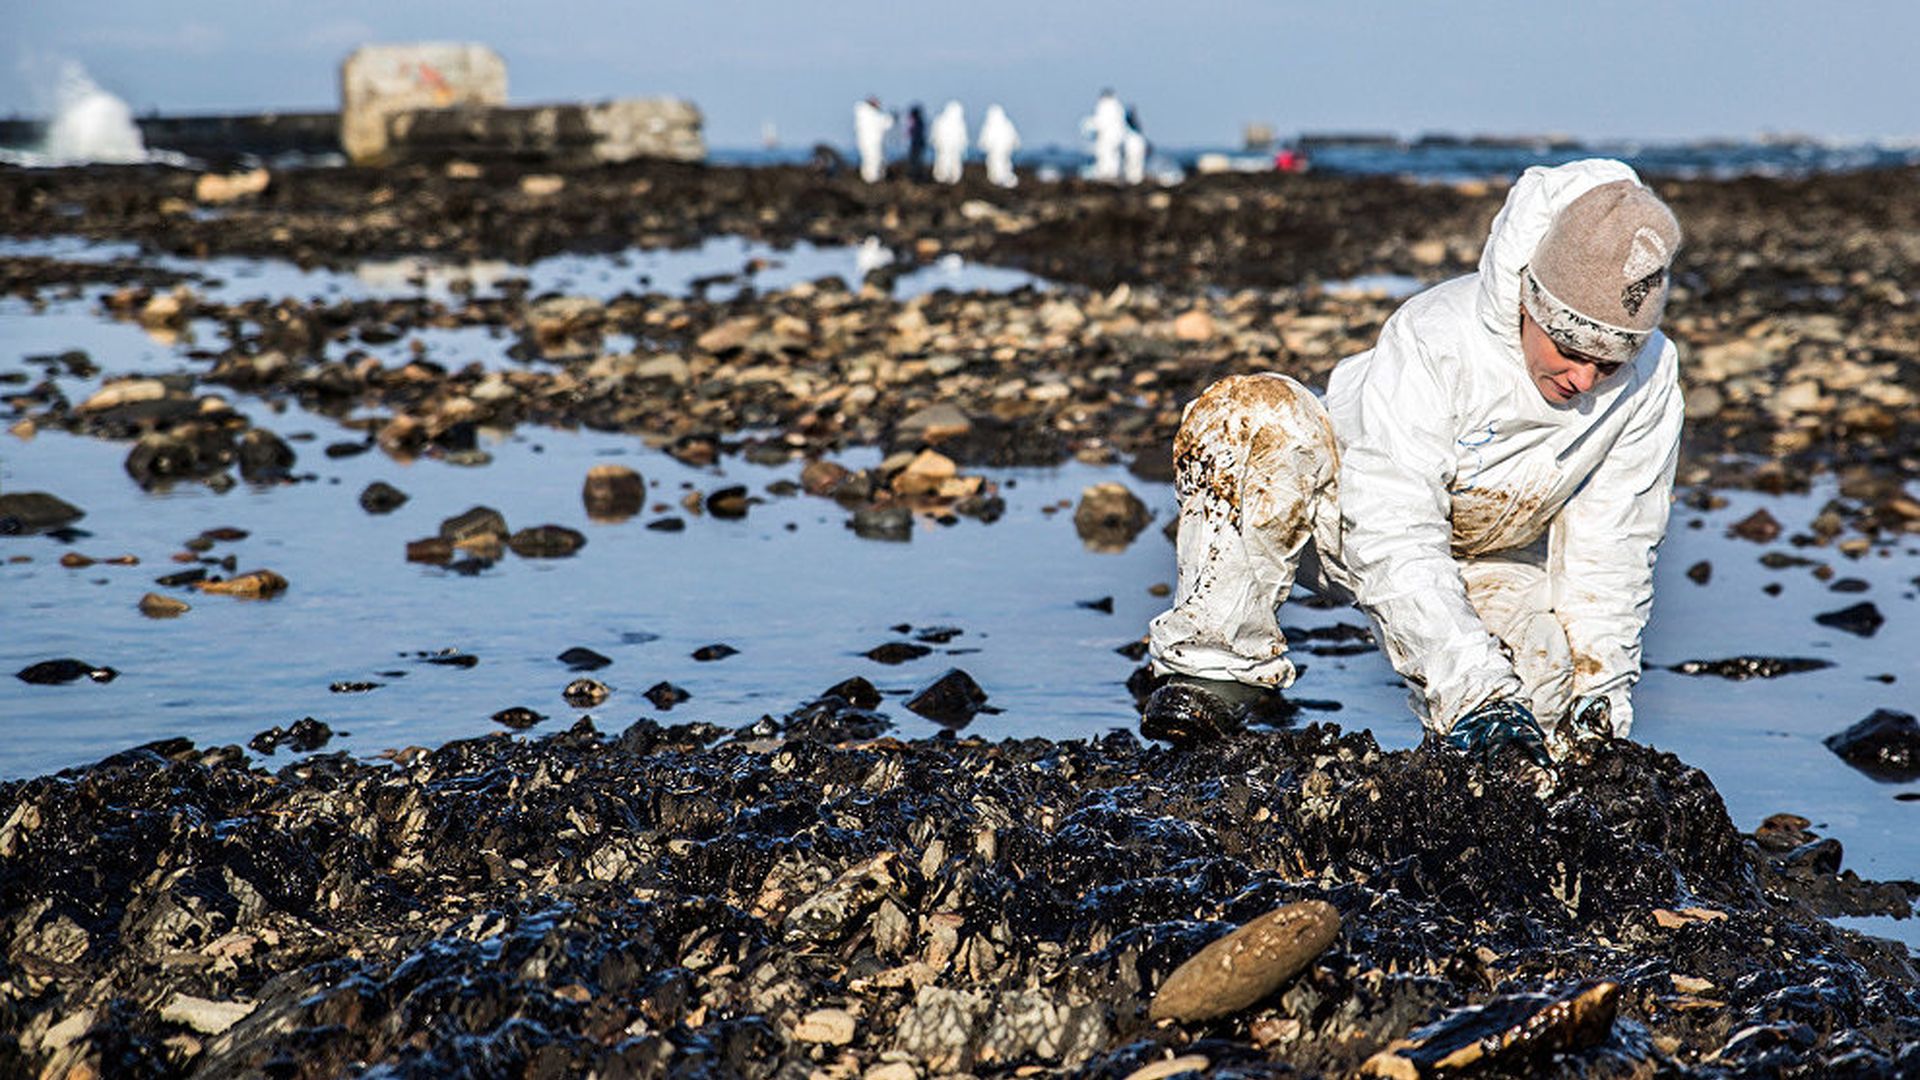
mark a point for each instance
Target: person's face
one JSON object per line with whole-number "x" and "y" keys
{"x": 1559, "y": 376}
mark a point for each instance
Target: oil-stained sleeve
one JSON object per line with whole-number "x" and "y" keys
{"x": 1606, "y": 539}
{"x": 1396, "y": 519}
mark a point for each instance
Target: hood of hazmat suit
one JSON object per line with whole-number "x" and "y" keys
{"x": 997, "y": 133}
{"x": 1454, "y": 467}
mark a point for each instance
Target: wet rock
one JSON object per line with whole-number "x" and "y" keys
{"x": 729, "y": 503}
{"x": 352, "y": 687}
{"x": 718, "y": 651}
{"x": 1862, "y": 619}
{"x": 667, "y": 524}
{"x": 156, "y": 606}
{"x": 24, "y": 513}
{"x": 896, "y": 652}
{"x": 613, "y": 493}
{"x": 182, "y": 577}
{"x": 581, "y": 658}
{"x": 188, "y": 451}
{"x": 1759, "y": 527}
{"x": 882, "y": 523}
{"x": 1109, "y": 517}
{"x": 1248, "y": 964}
{"x": 1509, "y": 1032}
{"x": 303, "y": 735}
{"x": 475, "y": 524}
{"x": 65, "y": 670}
{"x": 856, "y": 692}
{"x": 665, "y": 695}
{"x": 1103, "y": 605}
{"x": 264, "y": 457}
{"x": 518, "y": 717}
{"x": 1700, "y": 573}
{"x": 1750, "y": 667}
{"x": 585, "y": 693}
{"x": 450, "y": 658}
{"x": 822, "y": 478}
{"x": 942, "y": 1027}
{"x": 951, "y": 700}
{"x": 546, "y": 542}
{"x": 381, "y": 497}
{"x": 1884, "y": 745}
{"x": 252, "y": 585}
{"x": 434, "y": 549}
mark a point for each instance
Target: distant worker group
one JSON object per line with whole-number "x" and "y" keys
{"x": 1119, "y": 149}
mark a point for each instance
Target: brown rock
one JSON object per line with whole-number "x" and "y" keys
{"x": 823, "y": 477}
{"x": 1109, "y": 517}
{"x": 613, "y": 493}
{"x": 252, "y": 585}
{"x": 1245, "y": 966}
{"x": 1193, "y": 325}
{"x": 214, "y": 188}
{"x": 156, "y": 606}
{"x": 1759, "y": 527}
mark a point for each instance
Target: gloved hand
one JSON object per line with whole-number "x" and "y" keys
{"x": 1591, "y": 717}
{"x": 1500, "y": 723}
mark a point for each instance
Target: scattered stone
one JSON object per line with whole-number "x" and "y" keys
{"x": 613, "y": 493}
{"x": 1104, "y": 605}
{"x": 434, "y": 549}
{"x": 856, "y": 692}
{"x": 1243, "y": 967}
{"x": 156, "y": 606}
{"x": 665, "y": 695}
{"x": 201, "y": 1014}
{"x": 1885, "y": 746}
{"x": 950, "y": 700}
{"x": 252, "y": 585}
{"x": 714, "y": 652}
{"x": 585, "y": 693}
{"x": 581, "y": 658}
{"x": 450, "y": 658}
{"x": 546, "y": 542}
{"x": 518, "y": 717}
{"x": 352, "y": 687}
{"x": 1701, "y": 572}
{"x": 264, "y": 457}
{"x": 822, "y": 478}
{"x": 381, "y": 497}
{"x": 301, "y": 736}
{"x": 1849, "y": 585}
{"x": 474, "y": 524}
{"x": 896, "y": 652}
{"x": 729, "y": 503}
{"x": 55, "y": 672}
{"x": 834, "y": 1027}
{"x": 1759, "y": 527}
{"x": 182, "y": 577}
{"x": 1109, "y": 517}
{"x": 667, "y": 524}
{"x": 1741, "y": 668}
{"x": 932, "y": 425}
{"x": 24, "y": 513}
{"x": 1862, "y": 619}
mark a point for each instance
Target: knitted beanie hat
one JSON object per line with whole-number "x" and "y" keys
{"x": 1597, "y": 284}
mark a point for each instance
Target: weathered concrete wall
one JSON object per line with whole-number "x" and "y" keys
{"x": 608, "y": 131}
{"x": 378, "y": 81}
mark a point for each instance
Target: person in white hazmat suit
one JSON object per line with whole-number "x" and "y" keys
{"x": 998, "y": 140}
{"x": 949, "y": 139}
{"x": 870, "y": 124}
{"x": 1107, "y": 127}
{"x": 1489, "y": 483}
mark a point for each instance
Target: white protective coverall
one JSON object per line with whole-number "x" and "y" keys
{"x": 949, "y": 139}
{"x": 998, "y": 140}
{"x": 1503, "y": 547}
{"x": 1108, "y": 128}
{"x": 1133, "y": 156}
{"x": 870, "y": 124}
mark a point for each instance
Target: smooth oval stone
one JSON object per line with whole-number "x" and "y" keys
{"x": 1248, "y": 964}
{"x": 155, "y": 606}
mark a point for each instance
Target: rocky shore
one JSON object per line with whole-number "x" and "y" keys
{"x": 803, "y": 895}
{"x": 796, "y": 899}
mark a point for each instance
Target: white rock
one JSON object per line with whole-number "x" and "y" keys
{"x": 832, "y": 1026}
{"x": 206, "y": 1017}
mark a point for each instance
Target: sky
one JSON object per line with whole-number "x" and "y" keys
{"x": 1197, "y": 70}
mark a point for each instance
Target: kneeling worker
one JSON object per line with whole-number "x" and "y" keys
{"x": 1489, "y": 484}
